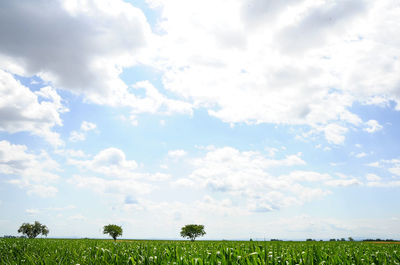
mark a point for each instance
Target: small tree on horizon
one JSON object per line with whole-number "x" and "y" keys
{"x": 33, "y": 230}
{"x": 113, "y": 230}
{"x": 192, "y": 231}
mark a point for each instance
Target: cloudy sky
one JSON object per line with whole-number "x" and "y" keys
{"x": 275, "y": 119}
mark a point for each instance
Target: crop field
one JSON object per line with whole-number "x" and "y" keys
{"x": 91, "y": 251}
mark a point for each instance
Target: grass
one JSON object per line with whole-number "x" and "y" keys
{"x": 91, "y": 251}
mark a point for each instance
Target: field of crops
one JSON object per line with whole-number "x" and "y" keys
{"x": 88, "y": 251}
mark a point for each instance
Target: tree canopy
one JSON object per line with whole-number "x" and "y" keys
{"x": 33, "y": 230}
{"x": 192, "y": 231}
{"x": 113, "y": 230}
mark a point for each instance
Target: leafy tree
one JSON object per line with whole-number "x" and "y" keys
{"x": 33, "y": 230}
{"x": 192, "y": 231}
{"x": 351, "y": 239}
{"x": 113, "y": 230}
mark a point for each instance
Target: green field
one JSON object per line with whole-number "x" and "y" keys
{"x": 92, "y": 251}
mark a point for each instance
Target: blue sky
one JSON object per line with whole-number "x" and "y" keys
{"x": 257, "y": 119}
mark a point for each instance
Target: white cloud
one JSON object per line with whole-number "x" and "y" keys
{"x": 361, "y": 155}
{"x": 271, "y": 151}
{"x": 87, "y": 126}
{"x": 335, "y": 133}
{"x": 76, "y": 136}
{"x": 319, "y": 23}
{"x": 372, "y": 177}
{"x": 22, "y": 110}
{"x": 177, "y": 153}
{"x": 384, "y": 184}
{"x": 292, "y": 62}
{"x": 118, "y": 187}
{"x": 32, "y": 211}
{"x": 307, "y": 176}
{"x": 243, "y": 66}
{"x": 71, "y": 42}
{"x": 390, "y": 170}
{"x": 109, "y": 172}
{"x": 343, "y": 182}
{"x": 392, "y": 165}
{"x": 75, "y": 153}
{"x": 373, "y": 126}
{"x": 28, "y": 171}
{"x": 110, "y": 161}
{"x": 246, "y": 175}
{"x": 74, "y": 65}
{"x": 155, "y": 102}
{"x": 374, "y": 164}
{"x": 395, "y": 170}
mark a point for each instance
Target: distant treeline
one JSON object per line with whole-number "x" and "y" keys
{"x": 378, "y": 239}
{"x": 274, "y": 239}
{"x": 7, "y": 236}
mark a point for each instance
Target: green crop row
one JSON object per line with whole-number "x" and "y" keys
{"x": 87, "y": 251}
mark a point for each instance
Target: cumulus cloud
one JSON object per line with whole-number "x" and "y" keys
{"x": 64, "y": 42}
{"x": 335, "y": 133}
{"x": 372, "y": 177}
{"x": 390, "y": 165}
{"x": 389, "y": 175}
{"x": 343, "y": 182}
{"x": 395, "y": 170}
{"x": 117, "y": 187}
{"x": 22, "y": 110}
{"x": 319, "y": 22}
{"x": 86, "y": 126}
{"x": 110, "y": 172}
{"x": 155, "y": 102}
{"x": 31, "y": 172}
{"x": 373, "y": 126}
{"x": 283, "y": 62}
{"x": 256, "y": 12}
{"x": 110, "y": 161}
{"x": 360, "y": 155}
{"x": 82, "y": 46}
{"x": 290, "y": 62}
{"x": 247, "y": 175}
{"x": 177, "y": 153}
{"x": 77, "y": 136}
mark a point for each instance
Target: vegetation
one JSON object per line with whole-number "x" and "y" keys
{"x": 90, "y": 251}
{"x": 33, "y": 230}
{"x": 192, "y": 231}
{"x": 113, "y": 230}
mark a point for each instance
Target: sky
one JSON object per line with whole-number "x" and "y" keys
{"x": 258, "y": 119}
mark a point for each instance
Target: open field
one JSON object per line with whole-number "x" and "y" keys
{"x": 92, "y": 251}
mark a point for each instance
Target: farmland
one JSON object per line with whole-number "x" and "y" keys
{"x": 93, "y": 251}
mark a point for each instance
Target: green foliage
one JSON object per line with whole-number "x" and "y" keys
{"x": 91, "y": 251}
{"x": 113, "y": 230}
{"x": 33, "y": 230}
{"x": 192, "y": 231}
